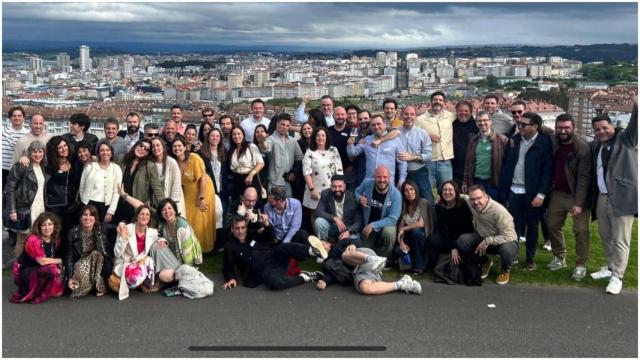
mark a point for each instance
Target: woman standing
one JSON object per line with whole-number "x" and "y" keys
{"x": 169, "y": 172}
{"x": 24, "y": 193}
{"x": 203, "y": 132}
{"x": 199, "y": 195}
{"x": 132, "y": 265}
{"x": 98, "y": 184}
{"x": 320, "y": 163}
{"x": 260, "y": 136}
{"x": 140, "y": 179}
{"x": 37, "y": 271}
{"x": 245, "y": 163}
{"x": 306, "y": 134}
{"x": 60, "y": 190}
{"x": 215, "y": 160}
{"x": 85, "y": 255}
{"x": 191, "y": 138}
{"x": 416, "y": 226}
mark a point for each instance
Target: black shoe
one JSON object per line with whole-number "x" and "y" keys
{"x": 312, "y": 276}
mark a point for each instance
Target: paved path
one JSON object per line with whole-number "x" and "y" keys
{"x": 446, "y": 321}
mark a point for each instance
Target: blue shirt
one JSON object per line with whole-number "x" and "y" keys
{"x": 287, "y": 224}
{"x": 386, "y": 154}
{"x": 417, "y": 142}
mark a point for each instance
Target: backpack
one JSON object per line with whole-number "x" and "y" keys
{"x": 192, "y": 283}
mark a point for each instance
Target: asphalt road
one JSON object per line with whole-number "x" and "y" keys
{"x": 446, "y": 321}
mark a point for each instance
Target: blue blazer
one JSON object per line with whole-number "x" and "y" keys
{"x": 392, "y": 205}
{"x": 538, "y": 167}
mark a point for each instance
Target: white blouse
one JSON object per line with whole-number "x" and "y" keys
{"x": 247, "y": 161}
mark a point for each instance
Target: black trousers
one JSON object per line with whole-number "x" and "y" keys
{"x": 274, "y": 274}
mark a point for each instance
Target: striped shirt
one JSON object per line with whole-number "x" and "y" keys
{"x": 10, "y": 137}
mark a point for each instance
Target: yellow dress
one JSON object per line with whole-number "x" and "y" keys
{"x": 203, "y": 223}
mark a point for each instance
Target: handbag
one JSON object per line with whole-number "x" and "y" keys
{"x": 22, "y": 223}
{"x": 54, "y": 199}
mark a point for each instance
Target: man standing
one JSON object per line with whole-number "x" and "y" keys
{"x": 10, "y": 135}
{"x": 337, "y": 214}
{"x": 151, "y": 130}
{"x": 283, "y": 151}
{"x": 79, "y": 125}
{"x": 383, "y": 155}
{"x": 464, "y": 128}
{"x": 494, "y": 234}
{"x": 36, "y": 132}
{"x": 390, "y": 107}
{"x": 249, "y": 124}
{"x": 502, "y": 123}
{"x": 417, "y": 154}
{"x": 484, "y": 157}
{"x": 170, "y": 133}
{"x": 339, "y": 134}
{"x": 176, "y": 116}
{"x": 615, "y": 160}
{"x": 381, "y": 206}
{"x": 209, "y": 116}
{"x": 525, "y": 179}
{"x": 326, "y": 105}
{"x": 571, "y": 180}
{"x": 133, "y": 133}
{"x": 118, "y": 144}
{"x": 438, "y": 123}
{"x": 225, "y": 127}
{"x": 518, "y": 108}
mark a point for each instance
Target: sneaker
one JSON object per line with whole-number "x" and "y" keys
{"x": 408, "y": 285}
{"x": 557, "y": 263}
{"x": 615, "y": 286}
{"x": 311, "y": 276}
{"x": 579, "y": 273}
{"x": 486, "y": 267}
{"x": 522, "y": 239}
{"x": 317, "y": 248}
{"x": 603, "y": 273}
{"x": 503, "y": 277}
{"x": 531, "y": 266}
{"x": 515, "y": 262}
{"x": 378, "y": 263}
{"x": 547, "y": 246}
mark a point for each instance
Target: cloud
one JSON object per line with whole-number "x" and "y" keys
{"x": 338, "y": 25}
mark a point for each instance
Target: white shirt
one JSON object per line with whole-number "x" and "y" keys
{"x": 249, "y": 126}
{"x": 602, "y": 185}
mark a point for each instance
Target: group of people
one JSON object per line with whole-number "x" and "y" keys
{"x": 351, "y": 188}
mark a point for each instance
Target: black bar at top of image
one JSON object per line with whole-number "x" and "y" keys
{"x": 287, "y": 348}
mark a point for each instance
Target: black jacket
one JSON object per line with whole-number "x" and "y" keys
{"x": 21, "y": 188}
{"x": 73, "y": 247}
{"x": 352, "y": 216}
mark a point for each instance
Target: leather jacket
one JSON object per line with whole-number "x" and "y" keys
{"x": 21, "y": 188}
{"x": 73, "y": 247}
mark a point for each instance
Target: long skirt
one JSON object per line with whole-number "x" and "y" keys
{"x": 36, "y": 283}
{"x": 87, "y": 272}
{"x": 164, "y": 258}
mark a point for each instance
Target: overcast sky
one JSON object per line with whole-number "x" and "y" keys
{"x": 334, "y": 25}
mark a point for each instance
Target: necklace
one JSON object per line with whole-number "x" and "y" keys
{"x": 50, "y": 247}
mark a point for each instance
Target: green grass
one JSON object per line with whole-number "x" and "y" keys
{"x": 541, "y": 276}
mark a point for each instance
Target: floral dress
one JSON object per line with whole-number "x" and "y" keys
{"x": 321, "y": 165}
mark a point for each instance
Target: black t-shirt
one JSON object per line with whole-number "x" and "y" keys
{"x": 376, "y": 204}
{"x": 339, "y": 140}
{"x": 462, "y": 134}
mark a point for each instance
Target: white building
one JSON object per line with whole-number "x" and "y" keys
{"x": 85, "y": 58}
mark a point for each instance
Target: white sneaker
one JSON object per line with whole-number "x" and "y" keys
{"x": 523, "y": 239}
{"x": 408, "y": 285}
{"x": 615, "y": 286}
{"x": 547, "y": 246}
{"x": 317, "y": 248}
{"x": 603, "y": 273}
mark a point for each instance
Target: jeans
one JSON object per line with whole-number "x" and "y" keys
{"x": 526, "y": 219}
{"x": 326, "y": 230}
{"x": 467, "y": 244}
{"x": 421, "y": 178}
{"x": 417, "y": 242}
{"x": 439, "y": 172}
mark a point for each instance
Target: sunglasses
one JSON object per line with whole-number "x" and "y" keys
{"x": 207, "y": 115}
{"x": 517, "y": 112}
{"x": 152, "y": 134}
{"x": 522, "y": 125}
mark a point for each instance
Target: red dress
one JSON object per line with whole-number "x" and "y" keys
{"x": 36, "y": 283}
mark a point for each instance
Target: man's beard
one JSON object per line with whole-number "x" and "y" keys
{"x": 132, "y": 129}
{"x": 338, "y": 195}
{"x": 382, "y": 187}
{"x": 364, "y": 126}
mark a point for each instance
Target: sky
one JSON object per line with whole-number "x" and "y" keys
{"x": 327, "y": 25}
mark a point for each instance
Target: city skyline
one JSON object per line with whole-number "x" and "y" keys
{"x": 332, "y": 26}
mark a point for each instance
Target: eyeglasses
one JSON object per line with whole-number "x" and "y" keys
{"x": 522, "y": 125}
{"x": 152, "y": 134}
{"x": 145, "y": 148}
{"x": 517, "y": 112}
{"x": 207, "y": 115}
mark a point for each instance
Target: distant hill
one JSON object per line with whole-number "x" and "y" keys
{"x": 584, "y": 53}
